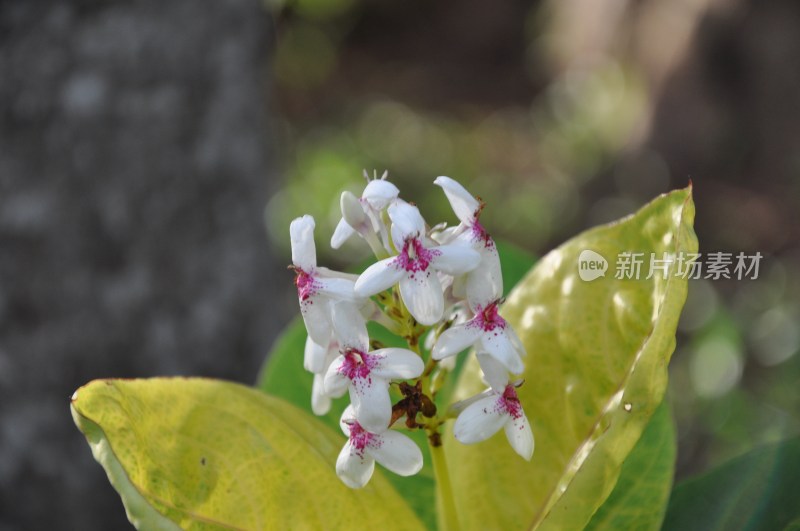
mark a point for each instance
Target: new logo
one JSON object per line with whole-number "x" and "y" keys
{"x": 591, "y": 265}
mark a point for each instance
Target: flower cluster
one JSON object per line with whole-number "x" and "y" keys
{"x": 438, "y": 287}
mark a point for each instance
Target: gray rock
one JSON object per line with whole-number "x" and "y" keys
{"x": 134, "y": 167}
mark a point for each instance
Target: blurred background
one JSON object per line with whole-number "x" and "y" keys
{"x": 141, "y": 141}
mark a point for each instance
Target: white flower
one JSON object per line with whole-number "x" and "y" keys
{"x": 484, "y": 417}
{"x": 487, "y": 277}
{"x": 391, "y": 449}
{"x": 415, "y": 266}
{"x": 315, "y": 355}
{"x": 495, "y": 373}
{"x": 348, "y": 322}
{"x": 367, "y": 374}
{"x": 317, "y": 359}
{"x": 317, "y": 287}
{"x": 362, "y": 216}
{"x": 490, "y": 332}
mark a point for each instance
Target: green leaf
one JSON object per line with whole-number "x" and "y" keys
{"x": 596, "y": 371}
{"x": 640, "y": 496}
{"x": 206, "y": 454}
{"x": 283, "y": 376}
{"x": 759, "y": 490}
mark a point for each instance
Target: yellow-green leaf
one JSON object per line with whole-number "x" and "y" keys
{"x": 205, "y": 454}
{"x": 596, "y": 370}
{"x": 639, "y": 499}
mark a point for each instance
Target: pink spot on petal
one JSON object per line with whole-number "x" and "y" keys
{"x": 488, "y": 319}
{"x": 510, "y": 402}
{"x": 415, "y": 257}
{"x": 357, "y": 365}
{"x": 306, "y": 285}
{"x": 480, "y": 234}
{"x": 360, "y": 439}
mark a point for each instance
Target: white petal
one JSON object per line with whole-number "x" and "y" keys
{"x": 369, "y": 310}
{"x": 460, "y": 287}
{"x": 320, "y": 402}
{"x": 336, "y": 383}
{"x": 422, "y": 295}
{"x": 494, "y": 373}
{"x": 353, "y": 211}
{"x": 342, "y": 233}
{"x": 347, "y": 418}
{"x": 497, "y": 344}
{"x": 335, "y": 288}
{"x": 353, "y": 469}
{"x": 464, "y": 205}
{"x": 480, "y": 420}
{"x": 378, "y": 277}
{"x": 398, "y": 453}
{"x": 349, "y": 326}
{"x": 314, "y": 356}
{"x": 445, "y": 236}
{"x": 380, "y": 193}
{"x": 461, "y": 405}
{"x": 324, "y": 272}
{"x": 371, "y": 403}
{"x": 455, "y": 259}
{"x": 407, "y": 219}
{"x": 397, "y": 363}
{"x": 515, "y": 341}
{"x": 484, "y": 284}
{"x": 399, "y": 237}
{"x": 301, "y": 233}
{"x": 376, "y": 222}
{"x": 520, "y": 436}
{"x": 316, "y": 316}
{"x": 455, "y": 340}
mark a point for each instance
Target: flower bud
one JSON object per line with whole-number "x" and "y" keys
{"x": 352, "y": 211}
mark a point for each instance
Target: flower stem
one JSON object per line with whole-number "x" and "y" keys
{"x": 446, "y": 507}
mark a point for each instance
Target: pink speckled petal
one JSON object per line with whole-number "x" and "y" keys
{"x": 371, "y": 403}
{"x": 520, "y": 436}
{"x": 497, "y": 344}
{"x": 353, "y": 469}
{"x": 480, "y": 420}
